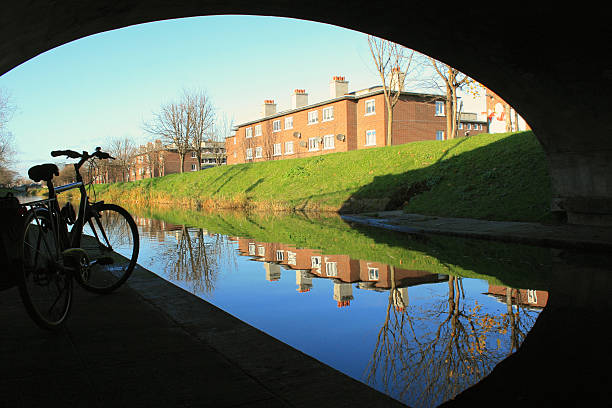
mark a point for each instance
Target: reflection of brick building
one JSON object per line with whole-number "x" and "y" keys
{"x": 346, "y": 121}
{"x": 522, "y": 297}
{"x": 309, "y": 264}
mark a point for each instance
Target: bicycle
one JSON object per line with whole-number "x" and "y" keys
{"x": 100, "y": 250}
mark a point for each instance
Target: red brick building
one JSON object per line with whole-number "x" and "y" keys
{"x": 346, "y": 121}
{"x": 155, "y": 159}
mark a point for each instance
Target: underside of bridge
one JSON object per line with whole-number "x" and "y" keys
{"x": 552, "y": 64}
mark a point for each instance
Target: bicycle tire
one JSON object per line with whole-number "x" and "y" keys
{"x": 109, "y": 231}
{"x": 44, "y": 284}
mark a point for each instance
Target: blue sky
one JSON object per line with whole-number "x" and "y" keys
{"x": 104, "y": 86}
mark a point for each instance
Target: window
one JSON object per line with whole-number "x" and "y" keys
{"x": 328, "y": 142}
{"x": 313, "y": 143}
{"x": 234, "y": 139}
{"x": 370, "y": 138}
{"x": 440, "y": 135}
{"x": 288, "y": 147}
{"x": 194, "y": 167}
{"x": 328, "y": 113}
{"x": 460, "y": 125}
{"x": 277, "y": 149}
{"x": 235, "y": 155}
{"x": 370, "y": 107}
{"x": 289, "y": 122}
{"x": 257, "y": 130}
{"x": 248, "y": 132}
{"x": 331, "y": 268}
{"x": 280, "y": 255}
{"x": 469, "y": 126}
{"x": 261, "y": 251}
{"x": 258, "y": 152}
{"x": 291, "y": 258}
{"x": 372, "y": 273}
{"x": 439, "y": 108}
{"x": 315, "y": 261}
{"x": 251, "y": 248}
{"x": 249, "y": 153}
{"x": 276, "y": 126}
{"x": 313, "y": 117}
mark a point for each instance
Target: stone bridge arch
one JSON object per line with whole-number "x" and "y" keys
{"x": 552, "y": 65}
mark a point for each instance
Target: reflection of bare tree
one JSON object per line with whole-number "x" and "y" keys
{"x": 435, "y": 354}
{"x": 198, "y": 258}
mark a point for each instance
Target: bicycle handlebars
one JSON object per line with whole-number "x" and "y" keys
{"x": 85, "y": 156}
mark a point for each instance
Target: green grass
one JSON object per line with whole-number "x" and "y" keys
{"x": 497, "y": 177}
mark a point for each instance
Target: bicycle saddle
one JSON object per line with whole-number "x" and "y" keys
{"x": 44, "y": 172}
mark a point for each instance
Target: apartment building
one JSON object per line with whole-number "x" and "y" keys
{"x": 347, "y": 121}
{"x": 155, "y": 159}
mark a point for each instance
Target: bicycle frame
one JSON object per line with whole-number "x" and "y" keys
{"x": 72, "y": 238}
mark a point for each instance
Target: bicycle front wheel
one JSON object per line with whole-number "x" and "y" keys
{"x": 110, "y": 239}
{"x": 44, "y": 284}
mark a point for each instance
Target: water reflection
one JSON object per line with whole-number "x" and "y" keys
{"x": 419, "y": 319}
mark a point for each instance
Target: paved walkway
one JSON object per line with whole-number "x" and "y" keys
{"x": 152, "y": 344}
{"x": 560, "y": 236}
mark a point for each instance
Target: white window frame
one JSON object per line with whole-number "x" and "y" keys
{"x": 439, "y": 135}
{"x": 291, "y": 258}
{"x": 251, "y": 248}
{"x": 288, "y": 148}
{"x": 276, "y": 125}
{"x": 313, "y": 117}
{"x": 328, "y": 114}
{"x": 261, "y": 251}
{"x": 440, "y": 108}
{"x": 249, "y": 153}
{"x": 248, "y": 132}
{"x": 326, "y": 144}
{"x": 280, "y": 255}
{"x": 258, "y": 152}
{"x": 460, "y": 125}
{"x": 315, "y": 261}
{"x": 369, "y": 135}
{"x": 258, "y": 130}
{"x": 276, "y": 149}
{"x": 331, "y": 268}
{"x": 370, "y": 103}
{"x": 289, "y": 122}
{"x": 373, "y": 274}
{"x": 194, "y": 167}
{"x": 313, "y": 144}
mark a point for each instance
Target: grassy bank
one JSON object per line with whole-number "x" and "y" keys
{"x": 498, "y": 177}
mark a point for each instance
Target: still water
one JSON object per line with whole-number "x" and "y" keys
{"x": 418, "y": 318}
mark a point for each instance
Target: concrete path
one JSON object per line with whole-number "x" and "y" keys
{"x": 560, "y": 236}
{"x": 152, "y": 344}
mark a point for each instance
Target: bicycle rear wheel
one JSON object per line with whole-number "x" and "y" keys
{"x": 44, "y": 284}
{"x": 110, "y": 239}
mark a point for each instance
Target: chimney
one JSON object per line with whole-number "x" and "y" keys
{"x": 299, "y": 98}
{"x": 397, "y": 79}
{"x": 268, "y": 108}
{"x": 338, "y": 87}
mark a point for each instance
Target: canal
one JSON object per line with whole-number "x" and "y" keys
{"x": 420, "y": 318}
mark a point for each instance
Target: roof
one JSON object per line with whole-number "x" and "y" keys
{"x": 355, "y": 95}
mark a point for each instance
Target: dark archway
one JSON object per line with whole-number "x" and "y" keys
{"x": 553, "y": 65}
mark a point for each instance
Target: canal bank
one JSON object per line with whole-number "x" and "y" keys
{"x": 565, "y": 236}
{"x": 153, "y": 344}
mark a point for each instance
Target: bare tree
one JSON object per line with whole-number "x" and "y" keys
{"x": 203, "y": 117}
{"x": 6, "y": 138}
{"x": 173, "y": 125}
{"x": 124, "y": 151}
{"x": 452, "y": 80}
{"x": 393, "y": 63}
